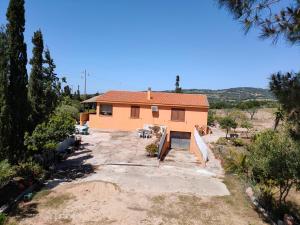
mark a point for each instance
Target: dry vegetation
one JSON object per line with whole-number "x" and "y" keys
{"x": 104, "y": 203}
{"x": 188, "y": 209}
{"x": 264, "y": 118}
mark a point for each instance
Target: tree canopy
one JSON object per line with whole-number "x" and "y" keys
{"x": 36, "y": 81}
{"x": 274, "y": 162}
{"x": 287, "y": 90}
{"x": 274, "y": 18}
{"x": 4, "y": 106}
{"x": 17, "y": 79}
{"x": 227, "y": 123}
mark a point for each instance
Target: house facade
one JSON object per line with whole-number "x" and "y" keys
{"x": 127, "y": 111}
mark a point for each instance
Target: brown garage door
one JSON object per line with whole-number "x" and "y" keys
{"x": 180, "y": 140}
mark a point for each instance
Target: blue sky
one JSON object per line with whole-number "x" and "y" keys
{"x": 135, "y": 44}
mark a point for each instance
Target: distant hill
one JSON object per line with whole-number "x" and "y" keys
{"x": 233, "y": 94}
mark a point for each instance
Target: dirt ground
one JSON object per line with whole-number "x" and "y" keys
{"x": 112, "y": 181}
{"x": 263, "y": 119}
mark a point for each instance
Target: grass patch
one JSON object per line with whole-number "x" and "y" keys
{"x": 41, "y": 194}
{"x": 57, "y": 201}
{"x": 159, "y": 199}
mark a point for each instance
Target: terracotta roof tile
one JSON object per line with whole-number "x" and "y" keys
{"x": 157, "y": 98}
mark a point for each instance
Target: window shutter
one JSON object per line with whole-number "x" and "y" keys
{"x": 135, "y": 112}
{"x": 178, "y": 114}
{"x": 181, "y": 115}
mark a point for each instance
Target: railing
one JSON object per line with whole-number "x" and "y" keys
{"x": 201, "y": 145}
{"x": 161, "y": 144}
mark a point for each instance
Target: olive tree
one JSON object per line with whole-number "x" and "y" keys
{"x": 274, "y": 160}
{"x": 227, "y": 123}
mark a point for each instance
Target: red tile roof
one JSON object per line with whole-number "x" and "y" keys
{"x": 157, "y": 98}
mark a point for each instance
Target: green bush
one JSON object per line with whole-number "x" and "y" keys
{"x": 222, "y": 141}
{"x": 152, "y": 149}
{"x": 238, "y": 142}
{"x": 6, "y": 172}
{"x": 68, "y": 109}
{"x": 30, "y": 171}
{"x": 47, "y": 135}
{"x": 2, "y": 219}
{"x": 236, "y": 162}
{"x": 274, "y": 162}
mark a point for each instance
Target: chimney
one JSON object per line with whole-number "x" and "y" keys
{"x": 149, "y": 94}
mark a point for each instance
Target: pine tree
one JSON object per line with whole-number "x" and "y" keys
{"x": 52, "y": 84}
{"x": 177, "y": 87}
{"x": 36, "y": 82}
{"x": 77, "y": 94}
{"x": 274, "y": 18}
{"x": 4, "y": 107}
{"x": 18, "y": 79}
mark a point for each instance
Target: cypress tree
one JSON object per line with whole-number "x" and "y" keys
{"x": 67, "y": 91}
{"x": 52, "y": 85}
{"x": 5, "y": 119}
{"x": 36, "y": 81}
{"x": 17, "y": 79}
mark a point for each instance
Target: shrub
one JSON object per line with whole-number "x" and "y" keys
{"x": 2, "y": 219}
{"x": 156, "y": 129}
{"x": 237, "y": 142}
{"x": 236, "y": 162}
{"x": 47, "y": 135}
{"x": 222, "y": 141}
{"x": 6, "y": 172}
{"x": 152, "y": 149}
{"x": 68, "y": 109}
{"x": 274, "y": 162}
{"x": 30, "y": 171}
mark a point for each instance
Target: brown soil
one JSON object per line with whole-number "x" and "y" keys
{"x": 105, "y": 203}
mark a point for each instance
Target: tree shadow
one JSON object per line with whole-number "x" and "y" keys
{"x": 71, "y": 169}
{"x": 27, "y": 210}
{"x": 84, "y": 145}
{"x": 81, "y": 152}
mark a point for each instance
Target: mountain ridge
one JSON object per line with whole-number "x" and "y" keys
{"x": 235, "y": 94}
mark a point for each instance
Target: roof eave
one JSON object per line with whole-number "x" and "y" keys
{"x": 158, "y": 104}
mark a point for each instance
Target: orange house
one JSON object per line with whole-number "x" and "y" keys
{"x": 127, "y": 111}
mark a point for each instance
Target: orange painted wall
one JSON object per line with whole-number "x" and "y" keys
{"x": 84, "y": 117}
{"x": 120, "y": 120}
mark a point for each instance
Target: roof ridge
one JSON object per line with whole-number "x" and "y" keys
{"x": 158, "y": 97}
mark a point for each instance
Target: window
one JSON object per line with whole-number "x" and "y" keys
{"x": 106, "y": 110}
{"x": 178, "y": 115}
{"x": 135, "y": 112}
